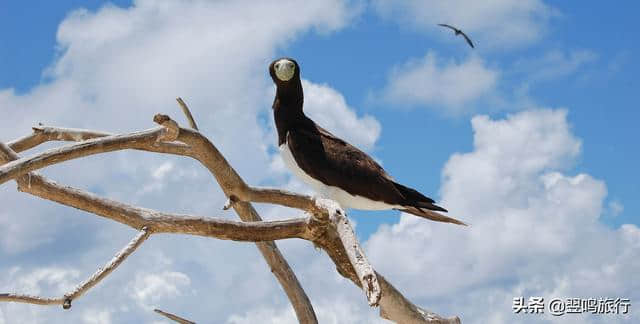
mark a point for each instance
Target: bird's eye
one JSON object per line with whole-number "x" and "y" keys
{"x": 277, "y": 65}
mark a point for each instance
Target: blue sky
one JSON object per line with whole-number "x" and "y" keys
{"x": 560, "y": 87}
{"x": 599, "y": 96}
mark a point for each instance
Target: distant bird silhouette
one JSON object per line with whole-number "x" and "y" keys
{"x": 459, "y": 32}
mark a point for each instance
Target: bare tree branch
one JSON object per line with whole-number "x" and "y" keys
{"x": 187, "y": 113}
{"x": 89, "y": 202}
{"x": 278, "y": 265}
{"x": 395, "y": 307}
{"x": 327, "y": 228}
{"x": 173, "y": 317}
{"x": 145, "y": 140}
{"x": 29, "y": 299}
{"x": 355, "y": 254}
{"x": 138, "y": 140}
{"x": 158, "y": 222}
{"x": 107, "y": 269}
{"x": 65, "y": 300}
{"x": 43, "y": 134}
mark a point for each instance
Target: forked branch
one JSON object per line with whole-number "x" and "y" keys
{"x": 326, "y": 225}
{"x": 67, "y": 298}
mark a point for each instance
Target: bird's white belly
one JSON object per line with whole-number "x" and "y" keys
{"x": 345, "y": 199}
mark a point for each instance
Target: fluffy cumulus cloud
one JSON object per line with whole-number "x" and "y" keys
{"x": 329, "y": 109}
{"x": 491, "y": 24}
{"x": 45, "y": 280}
{"x": 331, "y": 311}
{"x": 535, "y": 229}
{"x": 148, "y": 288}
{"x": 97, "y": 317}
{"x": 434, "y": 82}
{"x": 115, "y": 68}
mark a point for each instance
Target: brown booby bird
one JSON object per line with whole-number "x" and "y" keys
{"x": 459, "y": 32}
{"x": 334, "y": 168}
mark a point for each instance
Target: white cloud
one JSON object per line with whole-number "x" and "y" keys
{"x": 328, "y": 108}
{"x": 149, "y": 288}
{"x": 491, "y": 24}
{"x": 93, "y": 316}
{"x": 332, "y": 311}
{"x": 115, "y": 69}
{"x": 535, "y": 231}
{"x": 162, "y": 170}
{"x": 45, "y": 280}
{"x": 266, "y": 316}
{"x": 430, "y": 81}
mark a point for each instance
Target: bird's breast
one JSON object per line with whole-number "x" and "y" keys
{"x": 342, "y": 197}
{"x": 290, "y": 162}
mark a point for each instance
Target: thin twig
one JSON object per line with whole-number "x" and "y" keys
{"x": 82, "y": 288}
{"x": 187, "y": 112}
{"x": 173, "y": 317}
{"x": 41, "y": 134}
{"x": 108, "y": 268}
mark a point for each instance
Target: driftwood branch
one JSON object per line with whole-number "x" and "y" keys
{"x": 47, "y": 189}
{"x": 155, "y": 221}
{"x": 102, "y": 273}
{"x": 173, "y": 317}
{"x": 363, "y": 270}
{"x": 326, "y": 225}
{"x": 107, "y": 269}
{"x": 187, "y": 113}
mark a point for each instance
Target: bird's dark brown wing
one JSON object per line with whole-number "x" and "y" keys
{"x": 337, "y": 163}
{"x": 449, "y": 26}
{"x": 468, "y": 39}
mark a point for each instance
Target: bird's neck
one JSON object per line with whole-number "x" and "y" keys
{"x": 290, "y": 96}
{"x": 287, "y": 109}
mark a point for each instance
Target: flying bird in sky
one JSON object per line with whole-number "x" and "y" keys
{"x": 459, "y": 32}
{"x": 334, "y": 168}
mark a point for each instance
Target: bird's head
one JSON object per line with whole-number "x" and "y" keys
{"x": 284, "y": 70}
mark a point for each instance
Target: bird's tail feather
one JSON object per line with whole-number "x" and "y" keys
{"x": 416, "y": 199}
{"x": 432, "y": 215}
